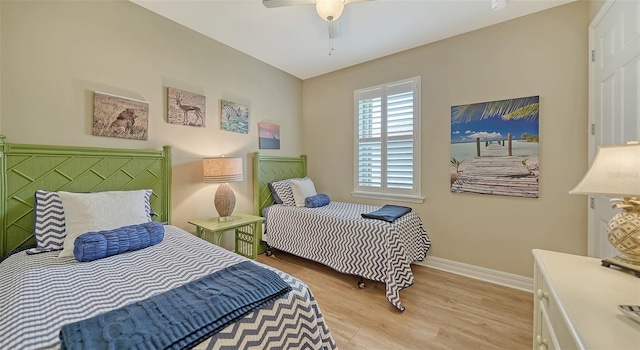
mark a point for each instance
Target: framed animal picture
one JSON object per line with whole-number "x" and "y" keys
{"x": 117, "y": 116}
{"x": 185, "y": 108}
{"x": 234, "y": 117}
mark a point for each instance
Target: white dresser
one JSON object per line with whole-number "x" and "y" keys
{"x": 576, "y": 304}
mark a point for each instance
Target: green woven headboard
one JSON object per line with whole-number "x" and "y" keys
{"x": 27, "y": 168}
{"x": 268, "y": 169}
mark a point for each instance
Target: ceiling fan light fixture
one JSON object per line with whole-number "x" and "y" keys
{"x": 329, "y": 10}
{"x": 498, "y": 5}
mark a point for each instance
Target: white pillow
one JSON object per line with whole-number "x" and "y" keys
{"x": 302, "y": 188}
{"x": 98, "y": 211}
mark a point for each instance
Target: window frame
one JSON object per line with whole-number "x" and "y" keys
{"x": 383, "y": 192}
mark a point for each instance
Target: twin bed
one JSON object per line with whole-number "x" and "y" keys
{"x": 46, "y": 297}
{"x": 336, "y": 234}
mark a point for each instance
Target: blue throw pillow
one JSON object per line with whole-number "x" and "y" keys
{"x": 97, "y": 245}
{"x": 319, "y": 200}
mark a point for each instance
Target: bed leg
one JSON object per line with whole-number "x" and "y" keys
{"x": 268, "y": 252}
{"x": 361, "y": 283}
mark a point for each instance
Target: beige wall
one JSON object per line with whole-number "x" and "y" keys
{"x": 55, "y": 54}
{"x": 594, "y": 7}
{"x": 542, "y": 54}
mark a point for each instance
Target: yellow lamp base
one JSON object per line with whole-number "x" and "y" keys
{"x": 624, "y": 234}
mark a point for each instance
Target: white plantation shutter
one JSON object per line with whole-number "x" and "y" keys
{"x": 370, "y": 139}
{"x": 388, "y": 143}
{"x": 400, "y": 140}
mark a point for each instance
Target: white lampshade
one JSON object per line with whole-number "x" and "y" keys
{"x": 329, "y": 10}
{"x": 614, "y": 172}
{"x": 222, "y": 169}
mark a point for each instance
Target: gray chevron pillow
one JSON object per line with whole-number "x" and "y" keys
{"x": 49, "y": 228}
{"x": 283, "y": 191}
{"x": 274, "y": 194}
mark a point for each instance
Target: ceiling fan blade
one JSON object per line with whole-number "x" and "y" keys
{"x": 282, "y": 3}
{"x": 334, "y": 29}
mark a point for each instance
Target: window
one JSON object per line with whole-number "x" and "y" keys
{"x": 387, "y": 141}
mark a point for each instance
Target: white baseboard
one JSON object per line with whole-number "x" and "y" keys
{"x": 480, "y": 273}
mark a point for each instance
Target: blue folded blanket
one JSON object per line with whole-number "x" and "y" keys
{"x": 182, "y": 317}
{"x": 97, "y": 245}
{"x": 387, "y": 213}
{"x": 319, "y": 200}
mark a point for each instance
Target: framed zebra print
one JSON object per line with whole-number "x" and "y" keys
{"x": 234, "y": 117}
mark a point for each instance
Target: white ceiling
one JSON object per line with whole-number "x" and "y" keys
{"x": 296, "y": 40}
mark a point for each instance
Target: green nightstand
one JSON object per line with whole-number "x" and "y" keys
{"x": 246, "y": 228}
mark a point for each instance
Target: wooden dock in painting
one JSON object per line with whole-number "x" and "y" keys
{"x": 495, "y": 172}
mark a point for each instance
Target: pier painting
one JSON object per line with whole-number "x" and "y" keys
{"x": 494, "y": 147}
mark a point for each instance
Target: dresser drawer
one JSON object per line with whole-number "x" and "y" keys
{"x": 560, "y": 330}
{"x": 544, "y": 335}
{"x": 550, "y": 329}
{"x": 545, "y": 340}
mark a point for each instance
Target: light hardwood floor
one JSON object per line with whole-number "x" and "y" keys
{"x": 443, "y": 310}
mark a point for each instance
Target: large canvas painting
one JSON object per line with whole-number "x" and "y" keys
{"x": 185, "y": 108}
{"x": 494, "y": 147}
{"x": 234, "y": 117}
{"x": 269, "y": 136}
{"x": 117, "y": 116}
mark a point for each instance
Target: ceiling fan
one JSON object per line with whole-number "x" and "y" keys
{"x": 328, "y": 10}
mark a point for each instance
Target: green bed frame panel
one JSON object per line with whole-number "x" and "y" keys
{"x": 268, "y": 169}
{"x": 27, "y": 168}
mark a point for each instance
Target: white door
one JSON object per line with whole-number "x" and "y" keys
{"x": 614, "y": 94}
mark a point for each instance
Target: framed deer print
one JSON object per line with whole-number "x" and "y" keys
{"x": 185, "y": 108}
{"x": 234, "y": 117}
{"x": 117, "y": 116}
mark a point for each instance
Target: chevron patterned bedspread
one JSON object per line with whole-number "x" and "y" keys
{"x": 337, "y": 236}
{"x": 42, "y": 292}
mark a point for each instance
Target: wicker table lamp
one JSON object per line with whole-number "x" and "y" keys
{"x": 616, "y": 172}
{"x": 223, "y": 170}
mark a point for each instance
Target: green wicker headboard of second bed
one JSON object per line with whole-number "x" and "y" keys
{"x": 27, "y": 168}
{"x": 268, "y": 169}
